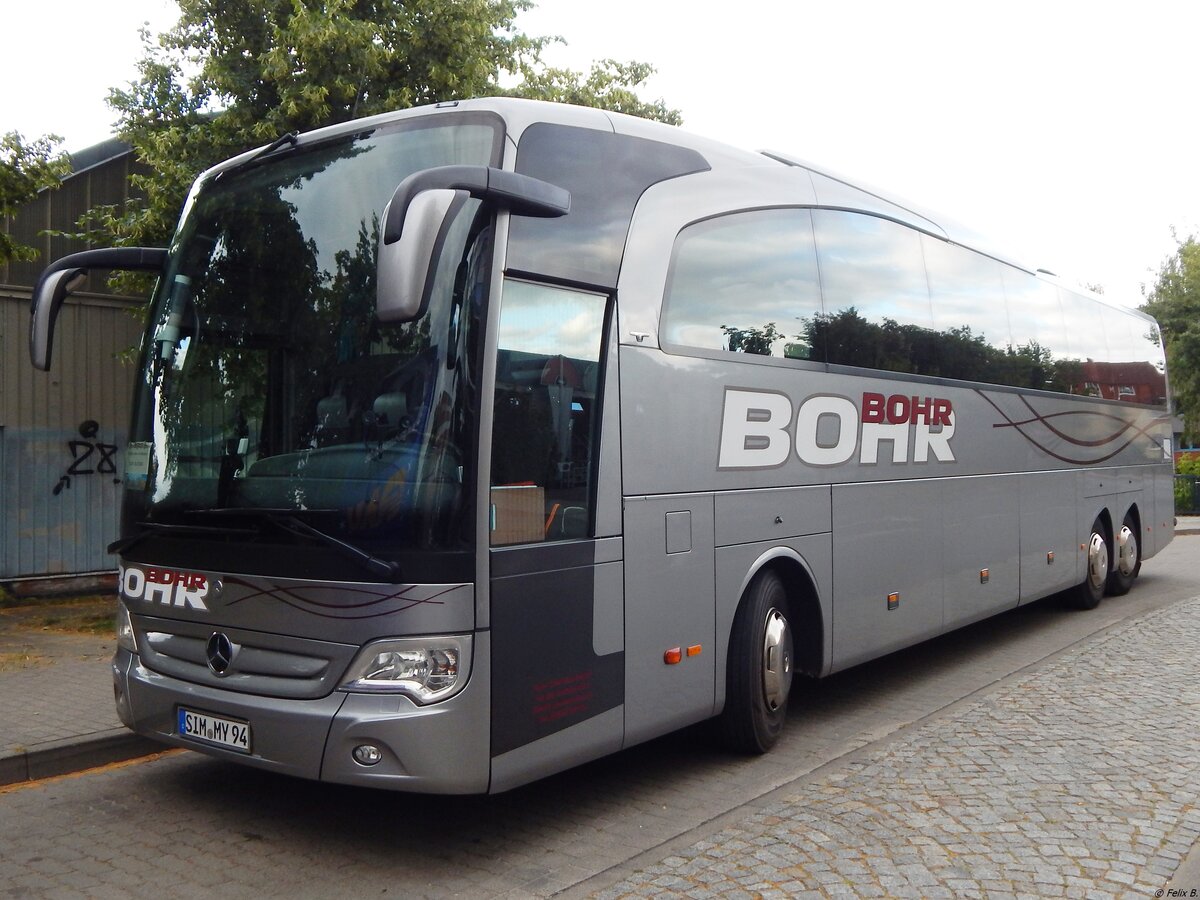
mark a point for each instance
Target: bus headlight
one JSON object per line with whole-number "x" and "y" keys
{"x": 428, "y": 669}
{"x": 126, "y": 639}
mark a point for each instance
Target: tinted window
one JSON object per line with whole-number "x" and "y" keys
{"x": 967, "y": 291}
{"x": 896, "y": 299}
{"x": 1118, "y": 355}
{"x": 546, "y": 412}
{"x": 969, "y": 312}
{"x": 606, "y": 173}
{"x": 269, "y": 388}
{"x": 876, "y": 296}
{"x": 1038, "y": 356}
{"x": 1085, "y": 342}
{"x": 746, "y": 283}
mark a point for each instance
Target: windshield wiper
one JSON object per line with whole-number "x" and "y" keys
{"x": 288, "y": 520}
{"x": 384, "y": 567}
{"x": 292, "y": 138}
{"x": 156, "y": 528}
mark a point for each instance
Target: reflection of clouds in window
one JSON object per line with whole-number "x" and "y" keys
{"x": 545, "y": 320}
{"x": 1119, "y": 331}
{"x": 580, "y": 330}
{"x": 734, "y": 276}
{"x": 873, "y": 265}
{"x": 1086, "y": 337}
{"x": 330, "y": 209}
{"x": 1035, "y": 313}
{"x": 967, "y": 291}
{"x": 894, "y": 300}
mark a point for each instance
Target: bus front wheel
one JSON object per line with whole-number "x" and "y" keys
{"x": 759, "y": 672}
{"x": 1090, "y": 591}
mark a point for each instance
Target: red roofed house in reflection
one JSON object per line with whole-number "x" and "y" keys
{"x": 1131, "y": 382}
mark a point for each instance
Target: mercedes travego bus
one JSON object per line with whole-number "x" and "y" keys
{"x": 475, "y": 441}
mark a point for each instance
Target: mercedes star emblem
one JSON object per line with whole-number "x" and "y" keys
{"x": 220, "y": 652}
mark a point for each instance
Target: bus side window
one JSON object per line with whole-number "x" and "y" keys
{"x": 746, "y": 282}
{"x": 1038, "y": 356}
{"x": 875, "y": 294}
{"x": 545, "y": 413}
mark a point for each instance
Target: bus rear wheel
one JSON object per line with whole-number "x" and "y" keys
{"x": 759, "y": 671}
{"x": 1090, "y": 591}
{"x": 1128, "y": 561}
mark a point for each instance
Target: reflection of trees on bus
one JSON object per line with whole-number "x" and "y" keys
{"x": 364, "y": 360}
{"x": 220, "y": 383}
{"x": 846, "y": 338}
{"x": 752, "y": 340}
{"x": 849, "y": 339}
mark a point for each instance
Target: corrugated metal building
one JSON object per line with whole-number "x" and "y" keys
{"x": 63, "y": 432}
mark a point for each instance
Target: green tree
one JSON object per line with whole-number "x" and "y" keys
{"x": 1187, "y": 490}
{"x": 610, "y": 85}
{"x": 230, "y": 76}
{"x": 1174, "y": 300}
{"x": 26, "y": 169}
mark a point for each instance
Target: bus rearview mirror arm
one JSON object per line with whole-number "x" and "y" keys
{"x": 422, "y": 208}
{"x": 65, "y": 275}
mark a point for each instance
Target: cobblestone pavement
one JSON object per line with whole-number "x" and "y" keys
{"x": 53, "y": 687}
{"x": 1079, "y": 780}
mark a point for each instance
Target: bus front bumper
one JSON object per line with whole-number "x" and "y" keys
{"x": 441, "y": 748}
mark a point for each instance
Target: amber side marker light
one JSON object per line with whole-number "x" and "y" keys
{"x": 673, "y": 656}
{"x": 693, "y": 650}
{"x": 894, "y": 600}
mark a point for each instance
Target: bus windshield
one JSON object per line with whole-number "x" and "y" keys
{"x": 269, "y": 391}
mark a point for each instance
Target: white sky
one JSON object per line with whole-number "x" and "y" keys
{"x": 1062, "y": 129}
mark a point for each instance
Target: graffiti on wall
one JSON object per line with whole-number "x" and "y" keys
{"x": 89, "y": 456}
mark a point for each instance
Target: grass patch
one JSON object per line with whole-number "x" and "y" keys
{"x": 89, "y": 616}
{"x": 80, "y": 623}
{"x": 12, "y": 601}
{"x": 12, "y": 662}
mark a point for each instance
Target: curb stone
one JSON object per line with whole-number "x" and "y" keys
{"x": 75, "y": 754}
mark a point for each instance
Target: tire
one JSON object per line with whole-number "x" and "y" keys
{"x": 1127, "y": 561}
{"x": 1088, "y": 593}
{"x": 759, "y": 671}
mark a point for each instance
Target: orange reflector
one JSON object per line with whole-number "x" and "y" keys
{"x": 1083, "y": 546}
{"x": 694, "y": 650}
{"x": 673, "y": 656}
{"x": 984, "y": 575}
{"x": 894, "y": 600}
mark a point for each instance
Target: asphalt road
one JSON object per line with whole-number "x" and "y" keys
{"x": 186, "y": 825}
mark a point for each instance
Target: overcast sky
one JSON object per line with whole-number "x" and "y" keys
{"x": 1064, "y": 130}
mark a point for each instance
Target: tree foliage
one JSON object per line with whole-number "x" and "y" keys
{"x": 847, "y": 338}
{"x": 26, "y": 169}
{"x": 610, "y": 85}
{"x": 1174, "y": 300}
{"x": 1187, "y": 490}
{"x": 230, "y": 76}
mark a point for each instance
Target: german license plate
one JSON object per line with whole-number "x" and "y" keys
{"x": 212, "y": 729}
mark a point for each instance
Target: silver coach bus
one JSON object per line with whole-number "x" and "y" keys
{"x": 475, "y": 441}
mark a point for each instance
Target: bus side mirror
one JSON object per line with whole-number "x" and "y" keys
{"x": 51, "y": 291}
{"x": 404, "y": 266}
{"x": 65, "y": 275}
{"x": 421, "y": 210}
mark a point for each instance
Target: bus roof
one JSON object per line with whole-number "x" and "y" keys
{"x": 519, "y": 113}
